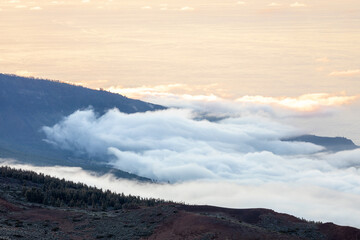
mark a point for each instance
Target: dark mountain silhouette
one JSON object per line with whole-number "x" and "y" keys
{"x": 27, "y": 104}
{"x": 333, "y": 144}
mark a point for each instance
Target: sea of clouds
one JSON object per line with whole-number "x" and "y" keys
{"x": 229, "y": 157}
{"x": 176, "y": 145}
{"x": 172, "y": 145}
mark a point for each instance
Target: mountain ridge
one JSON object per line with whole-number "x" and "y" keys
{"x": 28, "y": 104}
{"x": 333, "y": 144}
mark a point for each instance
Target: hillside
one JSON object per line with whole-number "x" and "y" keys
{"x": 23, "y": 216}
{"x": 27, "y": 104}
{"x": 333, "y": 144}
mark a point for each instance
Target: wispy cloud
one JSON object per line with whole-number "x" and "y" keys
{"x": 20, "y": 6}
{"x": 187, "y": 8}
{"x": 173, "y": 91}
{"x": 25, "y": 73}
{"x": 57, "y": 2}
{"x": 347, "y": 73}
{"x": 307, "y": 102}
{"x": 36, "y": 8}
{"x": 297, "y": 4}
{"x": 274, "y": 4}
{"x": 175, "y": 95}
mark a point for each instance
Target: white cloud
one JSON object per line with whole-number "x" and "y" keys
{"x": 274, "y": 4}
{"x": 241, "y": 3}
{"x": 24, "y": 73}
{"x": 57, "y": 2}
{"x": 348, "y": 73}
{"x": 297, "y": 4}
{"x": 21, "y": 6}
{"x": 146, "y": 7}
{"x": 187, "y": 8}
{"x": 345, "y": 159}
{"x": 171, "y": 145}
{"x": 180, "y": 95}
{"x": 36, "y": 8}
{"x": 307, "y": 102}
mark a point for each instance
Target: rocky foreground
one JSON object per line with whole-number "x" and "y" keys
{"x": 24, "y": 221}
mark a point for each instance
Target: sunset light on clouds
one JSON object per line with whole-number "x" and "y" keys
{"x": 308, "y": 102}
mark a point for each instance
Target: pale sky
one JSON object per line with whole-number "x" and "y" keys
{"x": 228, "y": 49}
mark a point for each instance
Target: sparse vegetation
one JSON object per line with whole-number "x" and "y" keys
{"x": 43, "y": 189}
{"x": 80, "y": 215}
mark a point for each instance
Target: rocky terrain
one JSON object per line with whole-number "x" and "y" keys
{"x": 21, "y": 218}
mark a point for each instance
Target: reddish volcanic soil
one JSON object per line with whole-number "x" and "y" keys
{"x": 206, "y": 222}
{"x": 194, "y": 226}
{"x": 20, "y": 220}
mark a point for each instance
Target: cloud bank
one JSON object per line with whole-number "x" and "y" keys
{"x": 231, "y": 156}
{"x": 181, "y": 95}
{"x": 178, "y": 145}
{"x": 175, "y": 145}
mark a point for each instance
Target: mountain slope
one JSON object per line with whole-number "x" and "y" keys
{"x": 333, "y": 144}
{"x": 23, "y": 216}
{"x": 27, "y": 104}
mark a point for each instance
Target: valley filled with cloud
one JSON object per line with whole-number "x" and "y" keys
{"x": 238, "y": 161}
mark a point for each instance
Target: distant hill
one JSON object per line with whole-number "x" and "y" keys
{"x": 27, "y": 104}
{"x": 334, "y": 144}
{"x": 34, "y": 206}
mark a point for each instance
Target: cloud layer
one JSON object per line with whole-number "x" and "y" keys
{"x": 230, "y": 156}
{"x": 178, "y": 145}
{"x": 174, "y": 95}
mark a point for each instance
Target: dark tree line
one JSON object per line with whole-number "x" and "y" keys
{"x": 43, "y": 189}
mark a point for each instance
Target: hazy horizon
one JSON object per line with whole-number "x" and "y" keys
{"x": 207, "y": 50}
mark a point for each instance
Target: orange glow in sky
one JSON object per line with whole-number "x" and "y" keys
{"x": 266, "y": 48}
{"x": 307, "y": 102}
